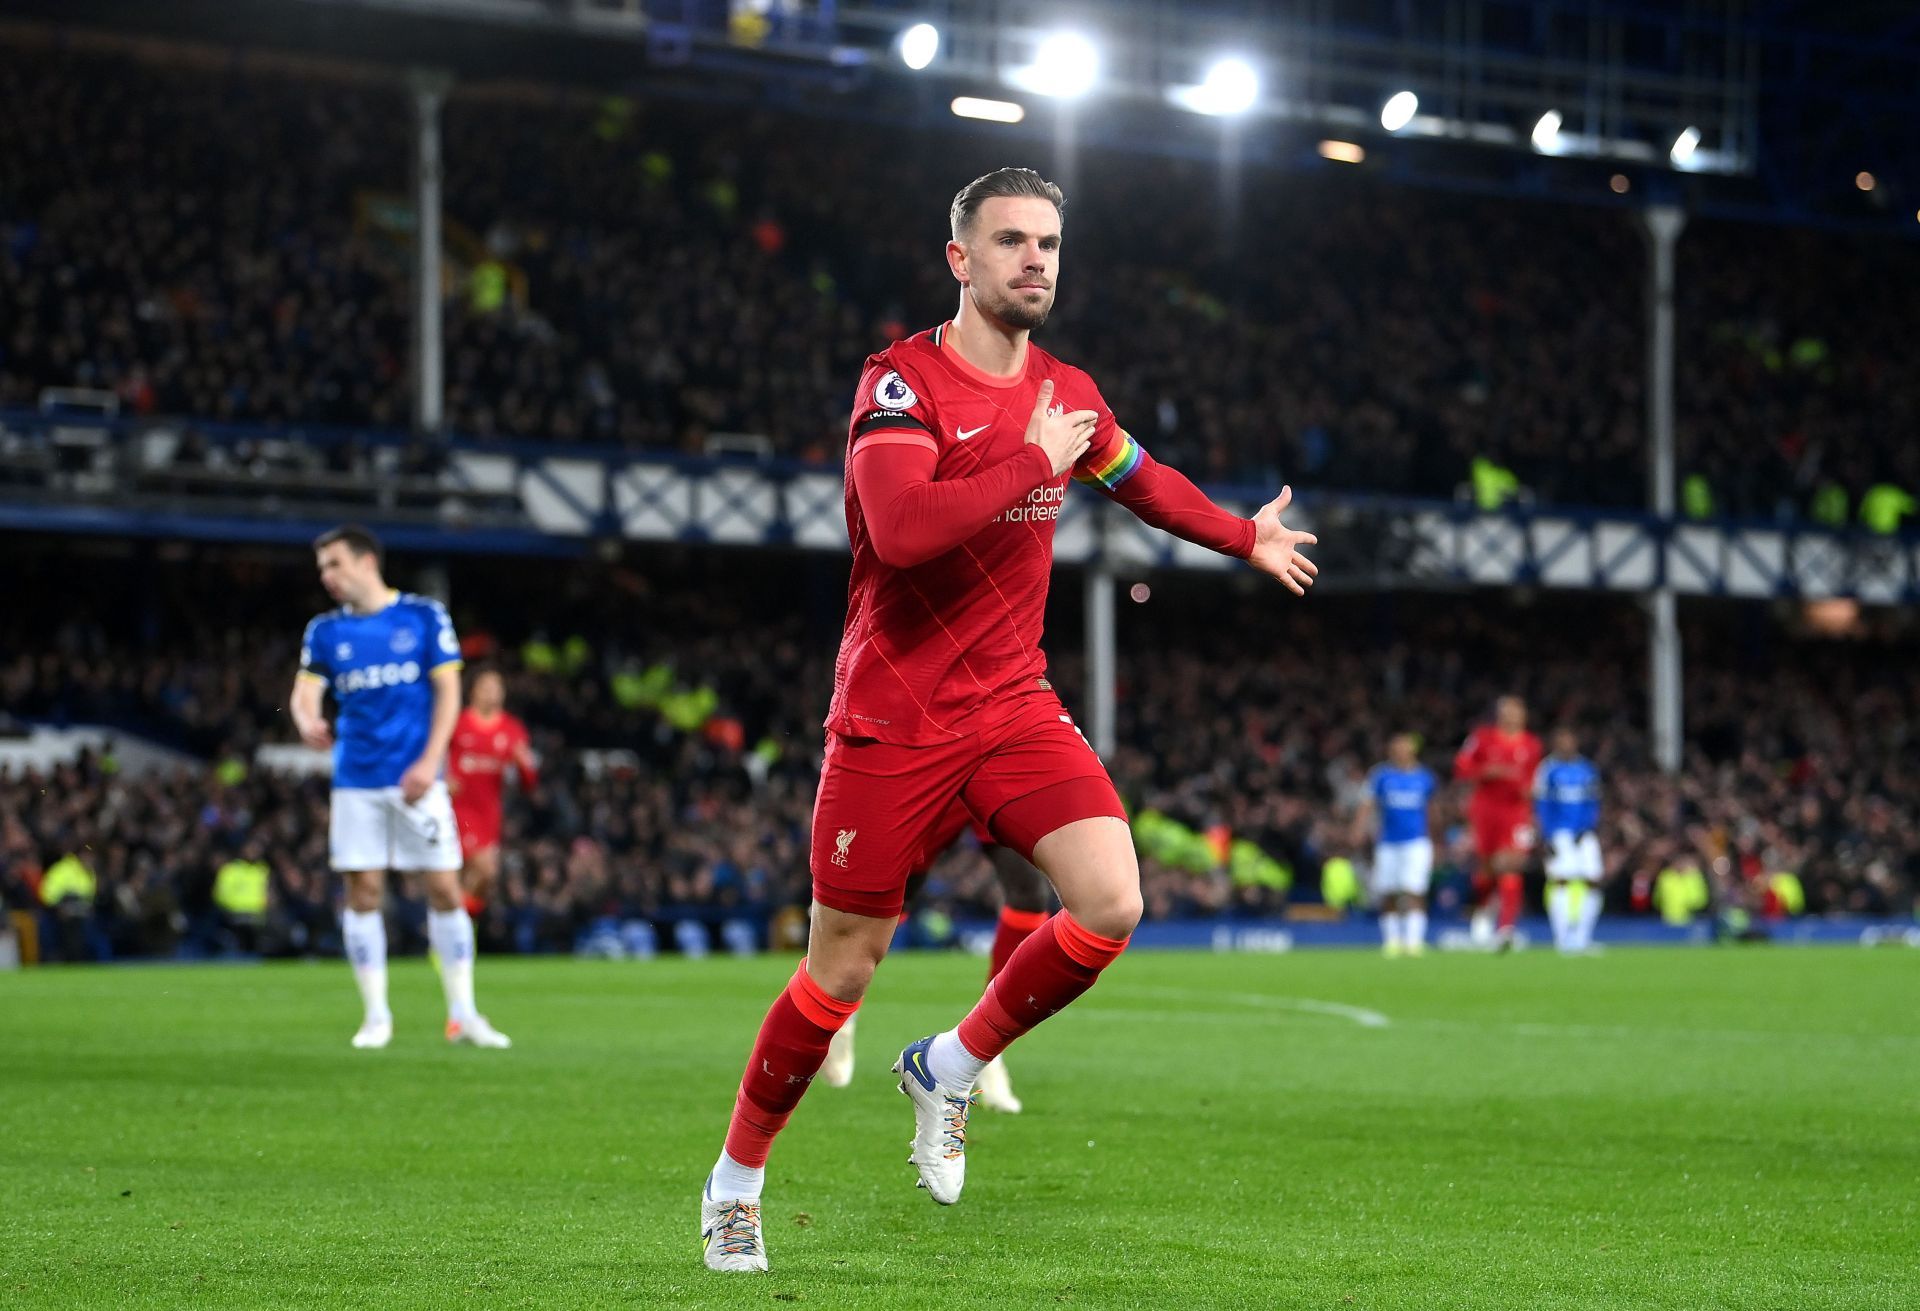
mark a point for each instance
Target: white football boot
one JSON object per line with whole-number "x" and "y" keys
{"x": 374, "y": 1034}
{"x": 939, "y": 1126}
{"x": 730, "y": 1234}
{"x": 838, "y": 1069}
{"x": 478, "y": 1032}
{"x": 996, "y": 1089}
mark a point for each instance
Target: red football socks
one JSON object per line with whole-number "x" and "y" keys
{"x": 1053, "y": 966}
{"x": 790, "y": 1050}
{"x": 1016, "y": 926}
{"x": 1509, "y": 888}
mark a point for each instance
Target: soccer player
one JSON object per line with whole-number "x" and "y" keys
{"x": 1499, "y": 760}
{"x": 1566, "y": 795}
{"x": 1398, "y": 800}
{"x": 960, "y": 447}
{"x": 393, "y": 665}
{"x": 486, "y": 742}
{"x": 1023, "y": 908}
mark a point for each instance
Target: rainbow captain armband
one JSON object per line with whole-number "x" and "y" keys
{"x": 1115, "y": 469}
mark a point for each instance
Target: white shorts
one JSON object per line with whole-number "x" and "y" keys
{"x": 372, "y": 828}
{"x": 1403, "y": 867}
{"x": 1573, "y": 856}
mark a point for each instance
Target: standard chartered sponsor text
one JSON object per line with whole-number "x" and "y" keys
{"x": 1042, "y": 503}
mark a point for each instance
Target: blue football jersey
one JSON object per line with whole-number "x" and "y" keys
{"x": 1402, "y": 796}
{"x": 377, "y": 666}
{"x": 1566, "y": 795}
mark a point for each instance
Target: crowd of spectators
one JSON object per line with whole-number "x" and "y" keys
{"x": 681, "y": 743}
{"x": 218, "y": 240}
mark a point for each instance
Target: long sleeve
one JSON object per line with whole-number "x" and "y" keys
{"x": 524, "y": 761}
{"x": 1466, "y": 765}
{"x": 1165, "y": 498}
{"x": 912, "y": 518}
{"x": 1157, "y": 495}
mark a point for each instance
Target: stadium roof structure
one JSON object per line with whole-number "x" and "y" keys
{"x": 1777, "y": 105}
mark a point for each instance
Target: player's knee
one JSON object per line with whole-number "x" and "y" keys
{"x": 364, "y": 890}
{"x": 1113, "y": 916}
{"x": 443, "y": 890}
{"x": 843, "y": 975}
{"x": 844, "y": 950}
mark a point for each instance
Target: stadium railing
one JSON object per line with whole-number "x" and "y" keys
{"x": 148, "y": 477}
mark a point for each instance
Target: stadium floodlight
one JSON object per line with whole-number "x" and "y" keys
{"x": 1546, "y": 133}
{"x": 1230, "y": 87}
{"x": 992, "y": 111}
{"x": 1065, "y": 66}
{"x": 1399, "y": 110}
{"x": 1343, "y": 152}
{"x": 1684, "y": 147}
{"x": 918, "y": 45}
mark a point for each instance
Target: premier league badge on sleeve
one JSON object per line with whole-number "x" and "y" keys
{"x": 892, "y": 393}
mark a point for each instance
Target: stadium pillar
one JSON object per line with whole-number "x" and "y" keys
{"x": 1663, "y": 225}
{"x": 1066, "y": 149}
{"x": 429, "y": 93}
{"x": 1230, "y": 189}
{"x": 1101, "y": 683}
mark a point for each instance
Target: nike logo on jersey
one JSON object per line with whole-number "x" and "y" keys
{"x": 963, "y": 433}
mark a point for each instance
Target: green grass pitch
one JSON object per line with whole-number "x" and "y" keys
{"x": 1685, "y": 1129}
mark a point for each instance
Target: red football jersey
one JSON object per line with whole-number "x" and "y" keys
{"x": 479, "y": 755}
{"x": 1516, "y": 755}
{"x": 927, "y": 646}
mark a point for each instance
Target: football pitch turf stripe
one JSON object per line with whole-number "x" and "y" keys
{"x": 1656, "y": 1128}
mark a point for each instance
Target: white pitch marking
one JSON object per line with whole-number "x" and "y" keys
{"x": 1360, "y": 1015}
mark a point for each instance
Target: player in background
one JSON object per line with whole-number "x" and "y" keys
{"x": 960, "y": 448}
{"x": 1398, "y": 808}
{"x": 1499, "y": 761}
{"x": 392, "y": 662}
{"x": 1024, "y": 903}
{"x": 487, "y": 741}
{"x": 1566, "y": 796}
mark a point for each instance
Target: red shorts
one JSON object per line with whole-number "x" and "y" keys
{"x": 884, "y": 812}
{"x": 1503, "y": 831}
{"x": 479, "y": 829}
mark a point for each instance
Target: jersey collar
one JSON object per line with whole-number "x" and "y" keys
{"x": 393, "y": 597}
{"x": 960, "y": 364}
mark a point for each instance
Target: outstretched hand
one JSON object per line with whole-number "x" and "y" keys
{"x": 1276, "y": 547}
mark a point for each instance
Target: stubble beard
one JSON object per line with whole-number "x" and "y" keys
{"x": 1015, "y": 314}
